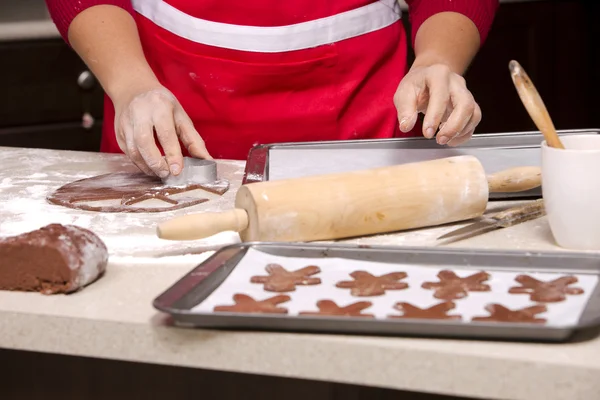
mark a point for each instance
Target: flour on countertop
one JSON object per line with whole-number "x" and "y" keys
{"x": 28, "y": 176}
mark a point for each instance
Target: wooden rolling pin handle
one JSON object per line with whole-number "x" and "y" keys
{"x": 516, "y": 179}
{"x": 534, "y": 104}
{"x": 200, "y": 226}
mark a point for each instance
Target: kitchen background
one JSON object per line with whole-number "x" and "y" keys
{"x": 45, "y": 90}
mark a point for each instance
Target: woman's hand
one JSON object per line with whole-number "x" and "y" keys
{"x": 141, "y": 112}
{"x": 443, "y": 97}
{"x": 107, "y": 39}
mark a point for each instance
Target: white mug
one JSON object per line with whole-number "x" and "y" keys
{"x": 571, "y": 191}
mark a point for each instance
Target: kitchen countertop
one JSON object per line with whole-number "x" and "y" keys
{"x": 113, "y": 318}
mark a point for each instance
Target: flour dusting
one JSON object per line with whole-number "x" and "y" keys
{"x": 28, "y": 176}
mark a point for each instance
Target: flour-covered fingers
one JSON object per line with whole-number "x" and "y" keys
{"x": 461, "y": 138}
{"x": 143, "y": 136}
{"x": 406, "y": 102}
{"x": 463, "y": 108}
{"x": 439, "y": 97}
{"x": 164, "y": 125}
{"x": 146, "y": 116}
{"x": 189, "y": 136}
{"x": 468, "y": 130}
{"x": 131, "y": 149}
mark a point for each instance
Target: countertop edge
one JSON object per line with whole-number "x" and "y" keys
{"x": 28, "y": 30}
{"x": 416, "y": 369}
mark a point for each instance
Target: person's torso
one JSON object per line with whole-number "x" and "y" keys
{"x": 272, "y": 71}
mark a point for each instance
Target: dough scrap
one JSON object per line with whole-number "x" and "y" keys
{"x": 130, "y": 189}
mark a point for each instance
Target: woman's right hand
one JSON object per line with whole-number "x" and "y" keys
{"x": 153, "y": 108}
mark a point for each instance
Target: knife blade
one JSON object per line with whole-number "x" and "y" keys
{"x": 503, "y": 219}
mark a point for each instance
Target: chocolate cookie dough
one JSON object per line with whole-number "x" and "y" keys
{"x": 452, "y": 287}
{"x": 328, "y": 307}
{"x": 438, "y": 311}
{"x": 546, "y": 292}
{"x": 499, "y": 313}
{"x": 282, "y": 280}
{"x": 248, "y": 305}
{"x": 129, "y": 189}
{"x": 54, "y": 259}
{"x": 366, "y": 284}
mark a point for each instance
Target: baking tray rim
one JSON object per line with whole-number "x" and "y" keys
{"x": 162, "y": 303}
{"x": 476, "y": 137}
{"x": 257, "y": 162}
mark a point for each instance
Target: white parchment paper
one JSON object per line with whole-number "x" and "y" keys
{"x": 333, "y": 270}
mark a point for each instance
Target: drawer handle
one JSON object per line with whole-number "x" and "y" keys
{"x": 86, "y": 80}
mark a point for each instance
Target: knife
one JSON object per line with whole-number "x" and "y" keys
{"x": 503, "y": 219}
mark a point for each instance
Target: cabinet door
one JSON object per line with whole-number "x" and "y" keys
{"x": 39, "y": 82}
{"x": 46, "y": 89}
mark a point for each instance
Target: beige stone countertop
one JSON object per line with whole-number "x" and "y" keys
{"x": 114, "y": 318}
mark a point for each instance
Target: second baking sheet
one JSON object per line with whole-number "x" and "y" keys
{"x": 305, "y": 298}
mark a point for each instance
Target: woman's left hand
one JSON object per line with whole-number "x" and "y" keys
{"x": 443, "y": 97}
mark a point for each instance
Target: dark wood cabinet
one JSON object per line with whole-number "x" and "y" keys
{"x": 557, "y": 44}
{"x": 556, "y": 41}
{"x": 45, "y": 91}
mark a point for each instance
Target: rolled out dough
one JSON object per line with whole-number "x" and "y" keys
{"x": 130, "y": 192}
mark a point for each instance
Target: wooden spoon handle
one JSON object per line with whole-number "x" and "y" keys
{"x": 534, "y": 104}
{"x": 200, "y": 226}
{"x": 516, "y": 179}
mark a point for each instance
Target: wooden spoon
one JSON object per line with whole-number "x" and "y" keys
{"x": 534, "y": 104}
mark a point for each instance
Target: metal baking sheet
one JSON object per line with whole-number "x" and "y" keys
{"x": 496, "y": 152}
{"x": 180, "y": 300}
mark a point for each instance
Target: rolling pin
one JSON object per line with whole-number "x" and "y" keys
{"x": 357, "y": 203}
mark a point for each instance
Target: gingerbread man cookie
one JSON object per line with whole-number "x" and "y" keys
{"x": 546, "y": 292}
{"x": 438, "y": 311}
{"x": 499, "y": 313}
{"x": 246, "y": 304}
{"x": 282, "y": 280}
{"x": 452, "y": 287}
{"x": 328, "y": 307}
{"x": 365, "y": 284}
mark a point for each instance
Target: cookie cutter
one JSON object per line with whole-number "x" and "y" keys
{"x": 195, "y": 171}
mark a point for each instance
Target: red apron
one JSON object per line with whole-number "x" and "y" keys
{"x": 271, "y": 71}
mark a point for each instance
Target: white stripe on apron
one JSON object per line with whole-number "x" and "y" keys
{"x": 335, "y": 28}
